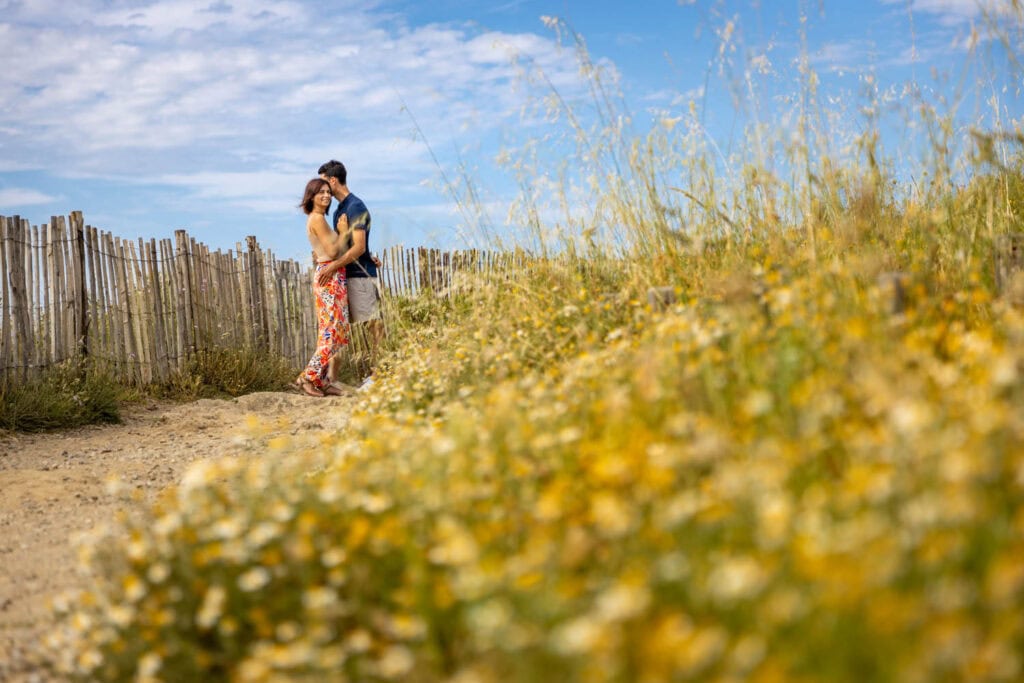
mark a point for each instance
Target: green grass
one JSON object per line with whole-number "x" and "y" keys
{"x": 78, "y": 393}
{"x": 69, "y": 395}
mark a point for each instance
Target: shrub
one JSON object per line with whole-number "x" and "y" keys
{"x": 217, "y": 371}
{"x": 71, "y": 394}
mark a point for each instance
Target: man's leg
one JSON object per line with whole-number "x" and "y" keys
{"x": 375, "y": 330}
{"x": 364, "y": 303}
{"x": 336, "y": 360}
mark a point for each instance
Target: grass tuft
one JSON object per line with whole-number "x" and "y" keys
{"x": 218, "y": 372}
{"x": 68, "y": 395}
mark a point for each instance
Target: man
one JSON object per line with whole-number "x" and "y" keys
{"x": 352, "y": 216}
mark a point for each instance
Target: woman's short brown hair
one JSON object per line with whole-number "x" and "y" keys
{"x": 312, "y": 188}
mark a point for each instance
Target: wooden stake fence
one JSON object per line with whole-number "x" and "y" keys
{"x": 143, "y": 308}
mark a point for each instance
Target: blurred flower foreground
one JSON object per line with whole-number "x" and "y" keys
{"x": 775, "y": 434}
{"x": 776, "y": 479}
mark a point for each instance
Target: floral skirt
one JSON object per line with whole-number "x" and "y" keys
{"x": 332, "y": 325}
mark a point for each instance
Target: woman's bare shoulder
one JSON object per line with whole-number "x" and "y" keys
{"x": 316, "y": 221}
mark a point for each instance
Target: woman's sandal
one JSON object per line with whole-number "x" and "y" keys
{"x": 306, "y": 387}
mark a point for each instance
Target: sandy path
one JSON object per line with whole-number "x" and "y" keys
{"x": 55, "y": 485}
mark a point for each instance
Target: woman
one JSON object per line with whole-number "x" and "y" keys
{"x": 331, "y": 298}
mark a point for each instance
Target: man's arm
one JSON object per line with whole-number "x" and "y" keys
{"x": 350, "y": 256}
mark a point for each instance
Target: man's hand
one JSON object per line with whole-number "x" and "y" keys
{"x": 325, "y": 275}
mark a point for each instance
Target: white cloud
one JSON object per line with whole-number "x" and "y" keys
{"x": 162, "y": 19}
{"x": 220, "y": 111}
{"x": 954, "y": 12}
{"x": 379, "y": 163}
{"x": 855, "y": 56}
{"x": 12, "y": 197}
{"x": 207, "y": 77}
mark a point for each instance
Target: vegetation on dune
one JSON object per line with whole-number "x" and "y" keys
{"x": 809, "y": 467}
{"x": 217, "y": 371}
{"x": 77, "y": 393}
{"x": 71, "y": 394}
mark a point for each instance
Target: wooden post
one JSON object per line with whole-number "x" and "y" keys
{"x": 66, "y": 279}
{"x": 200, "y": 309}
{"x": 160, "y": 369}
{"x": 167, "y": 265}
{"x": 175, "y": 310}
{"x": 116, "y": 314}
{"x": 410, "y": 271}
{"x": 38, "y": 265}
{"x": 245, "y": 302}
{"x": 1008, "y": 255}
{"x": 386, "y": 268}
{"x": 186, "y": 332}
{"x": 895, "y": 286}
{"x": 30, "y": 288}
{"x": 132, "y": 355}
{"x": 259, "y": 332}
{"x": 143, "y": 308}
{"x": 270, "y": 301}
{"x": 211, "y": 297}
{"x": 92, "y": 322}
{"x": 446, "y": 269}
{"x": 266, "y": 299}
{"x": 225, "y": 298}
{"x": 423, "y": 277}
{"x": 81, "y": 304}
{"x": 6, "y": 338}
{"x": 272, "y": 305}
{"x": 53, "y": 290}
{"x": 301, "y": 294}
{"x": 227, "y": 282}
{"x": 19, "y": 294}
{"x": 660, "y": 298}
{"x": 211, "y": 314}
{"x": 305, "y": 279}
{"x": 394, "y": 270}
{"x": 102, "y": 337}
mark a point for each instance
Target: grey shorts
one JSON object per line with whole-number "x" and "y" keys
{"x": 363, "y": 299}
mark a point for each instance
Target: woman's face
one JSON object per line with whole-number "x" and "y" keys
{"x": 323, "y": 197}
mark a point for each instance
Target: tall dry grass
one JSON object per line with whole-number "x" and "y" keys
{"x": 807, "y": 468}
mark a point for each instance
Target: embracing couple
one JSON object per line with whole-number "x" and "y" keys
{"x": 345, "y": 279}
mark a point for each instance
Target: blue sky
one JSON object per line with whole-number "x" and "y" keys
{"x": 210, "y": 115}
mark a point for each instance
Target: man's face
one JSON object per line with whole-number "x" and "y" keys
{"x": 332, "y": 181}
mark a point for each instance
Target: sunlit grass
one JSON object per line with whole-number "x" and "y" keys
{"x": 808, "y": 467}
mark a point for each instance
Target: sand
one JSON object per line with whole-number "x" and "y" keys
{"x": 55, "y": 485}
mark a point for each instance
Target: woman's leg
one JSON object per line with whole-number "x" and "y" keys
{"x": 332, "y": 328}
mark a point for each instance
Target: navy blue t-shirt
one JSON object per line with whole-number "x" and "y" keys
{"x": 358, "y": 219}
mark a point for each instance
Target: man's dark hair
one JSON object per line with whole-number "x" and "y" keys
{"x": 334, "y": 169}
